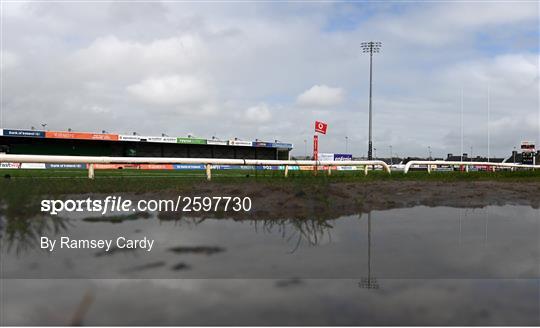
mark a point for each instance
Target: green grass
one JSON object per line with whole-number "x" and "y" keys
{"x": 21, "y": 193}
{"x": 23, "y": 186}
{"x": 65, "y": 181}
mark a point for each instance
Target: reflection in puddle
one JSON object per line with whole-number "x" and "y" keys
{"x": 420, "y": 242}
{"x": 119, "y": 218}
{"x": 205, "y": 250}
{"x": 271, "y": 302}
{"x": 409, "y": 266}
{"x": 22, "y": 235}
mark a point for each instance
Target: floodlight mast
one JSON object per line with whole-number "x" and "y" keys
{"x": 370, "y": 47}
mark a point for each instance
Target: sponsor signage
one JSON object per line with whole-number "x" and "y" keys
{"x": 262, "y": 144}
{"x": 191, "y": 141}
{"x": 528, "y": 151}
{"x": 233, "y": 167}
{"x": 270, "y": 167}
{"x": 320, "y": 127}
{"x": 115, "y": 166}
{"x": 527, "y": 147}
{"x": 81, "y": 135}
{"x": 147, "y": 139}
{"x": 342, "y": 157}
{"x": 10, "y": 165}
{"x": 188, "y": 166}
{"x": 33, "y": 166}
{"x": 156, "y": 167}
{"x": 23, "y": 133}
{"x": 240, "y": 143}
{"x": 144, "y": 139}
{"x": 216, "y": 142}
{"x": 282, "y": 145}
{"x": 124, "y": 137}
{"x": 326, "y": 156}
{"x": 223, "y": 167}
{"x": 65, "y": 166}
{"x": 108, "y": 166}
{"x": 346, "y": 168}
{"x": 161, "y": 139}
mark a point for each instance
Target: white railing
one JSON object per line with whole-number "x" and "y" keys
{"x": 466, "y": 165}
{"x": 208, "y": 162}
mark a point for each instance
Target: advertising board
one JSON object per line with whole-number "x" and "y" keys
{"x": 191, "y": 141}
{"x": 81, "y": 135}
{"x": 65, "y": 166}
{"x": 161, "y": 139}
{"x": 527, "y": 147}
{"x": 528, "y": 152}
{"x": 342, "y": 157}
{"x": 262, "y": 144}
{"x": 326, "y": 156}
{"x": 268, "y": 167}
{"x": 188, "y": 166}
{"x": 115, "y": 166}
{"x": 33, "y": 166}
{"x": 124, "y": 137}
{"x": 23, "y": 133}
{"x": 240, "y": 143}
{"x": 10, "y": 165}
{"x": 144, "y": 138}
{"x": 156, "y": 167}
{"x": 216, "y": 142}
{"x": 282, "y": 145}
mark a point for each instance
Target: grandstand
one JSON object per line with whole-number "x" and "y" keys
{"x": 34, "y": 142}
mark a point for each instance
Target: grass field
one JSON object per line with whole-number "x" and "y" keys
{"x": 302, "y": 194}
{"x": 64, "y": 181}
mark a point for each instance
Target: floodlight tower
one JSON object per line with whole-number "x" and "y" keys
{"x": 370, "y": 47}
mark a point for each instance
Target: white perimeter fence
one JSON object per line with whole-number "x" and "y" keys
{"x": 208, "y": 162}
{"x": 430, "y": 164}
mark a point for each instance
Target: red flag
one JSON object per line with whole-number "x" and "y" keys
{"x": 320, "y": 127}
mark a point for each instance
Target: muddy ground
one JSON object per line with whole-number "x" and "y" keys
{"x": 346, "y": 198}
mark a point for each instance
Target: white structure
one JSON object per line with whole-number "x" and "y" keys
{"x": 429, "y": 164}
{"x": 91, "y": 160}
{"x": 208, "y": 162}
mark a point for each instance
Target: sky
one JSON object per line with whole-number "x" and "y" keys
{"x": 268, "y": 70}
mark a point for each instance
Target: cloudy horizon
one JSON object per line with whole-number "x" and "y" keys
{"x": 269, "y": 70}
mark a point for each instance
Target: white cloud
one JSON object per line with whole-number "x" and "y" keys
{"x": 111, "y": 55}
{"x": 258, "y": 114}
{"x": 170, "y": 90}
{"x": 9, "y": 60}
{"x": 511, "y": 71}
{"x": 444, "y": 23}
{"x": 219, "y": 62}
{"x": 321, "y": 96}
{"x": 96, "y": 109}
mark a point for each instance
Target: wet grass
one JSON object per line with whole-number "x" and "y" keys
{"x": 21, "y": 191}
{"x": 23, "y": 186}
{"x": 19, "y": 183}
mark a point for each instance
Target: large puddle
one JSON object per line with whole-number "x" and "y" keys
{"x": 420, "y": 242}
{"x": 405, "y": 266}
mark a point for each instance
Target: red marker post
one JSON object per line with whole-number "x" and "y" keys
{"x": 320, "y": 127}
{"x": 315, "y": 147}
